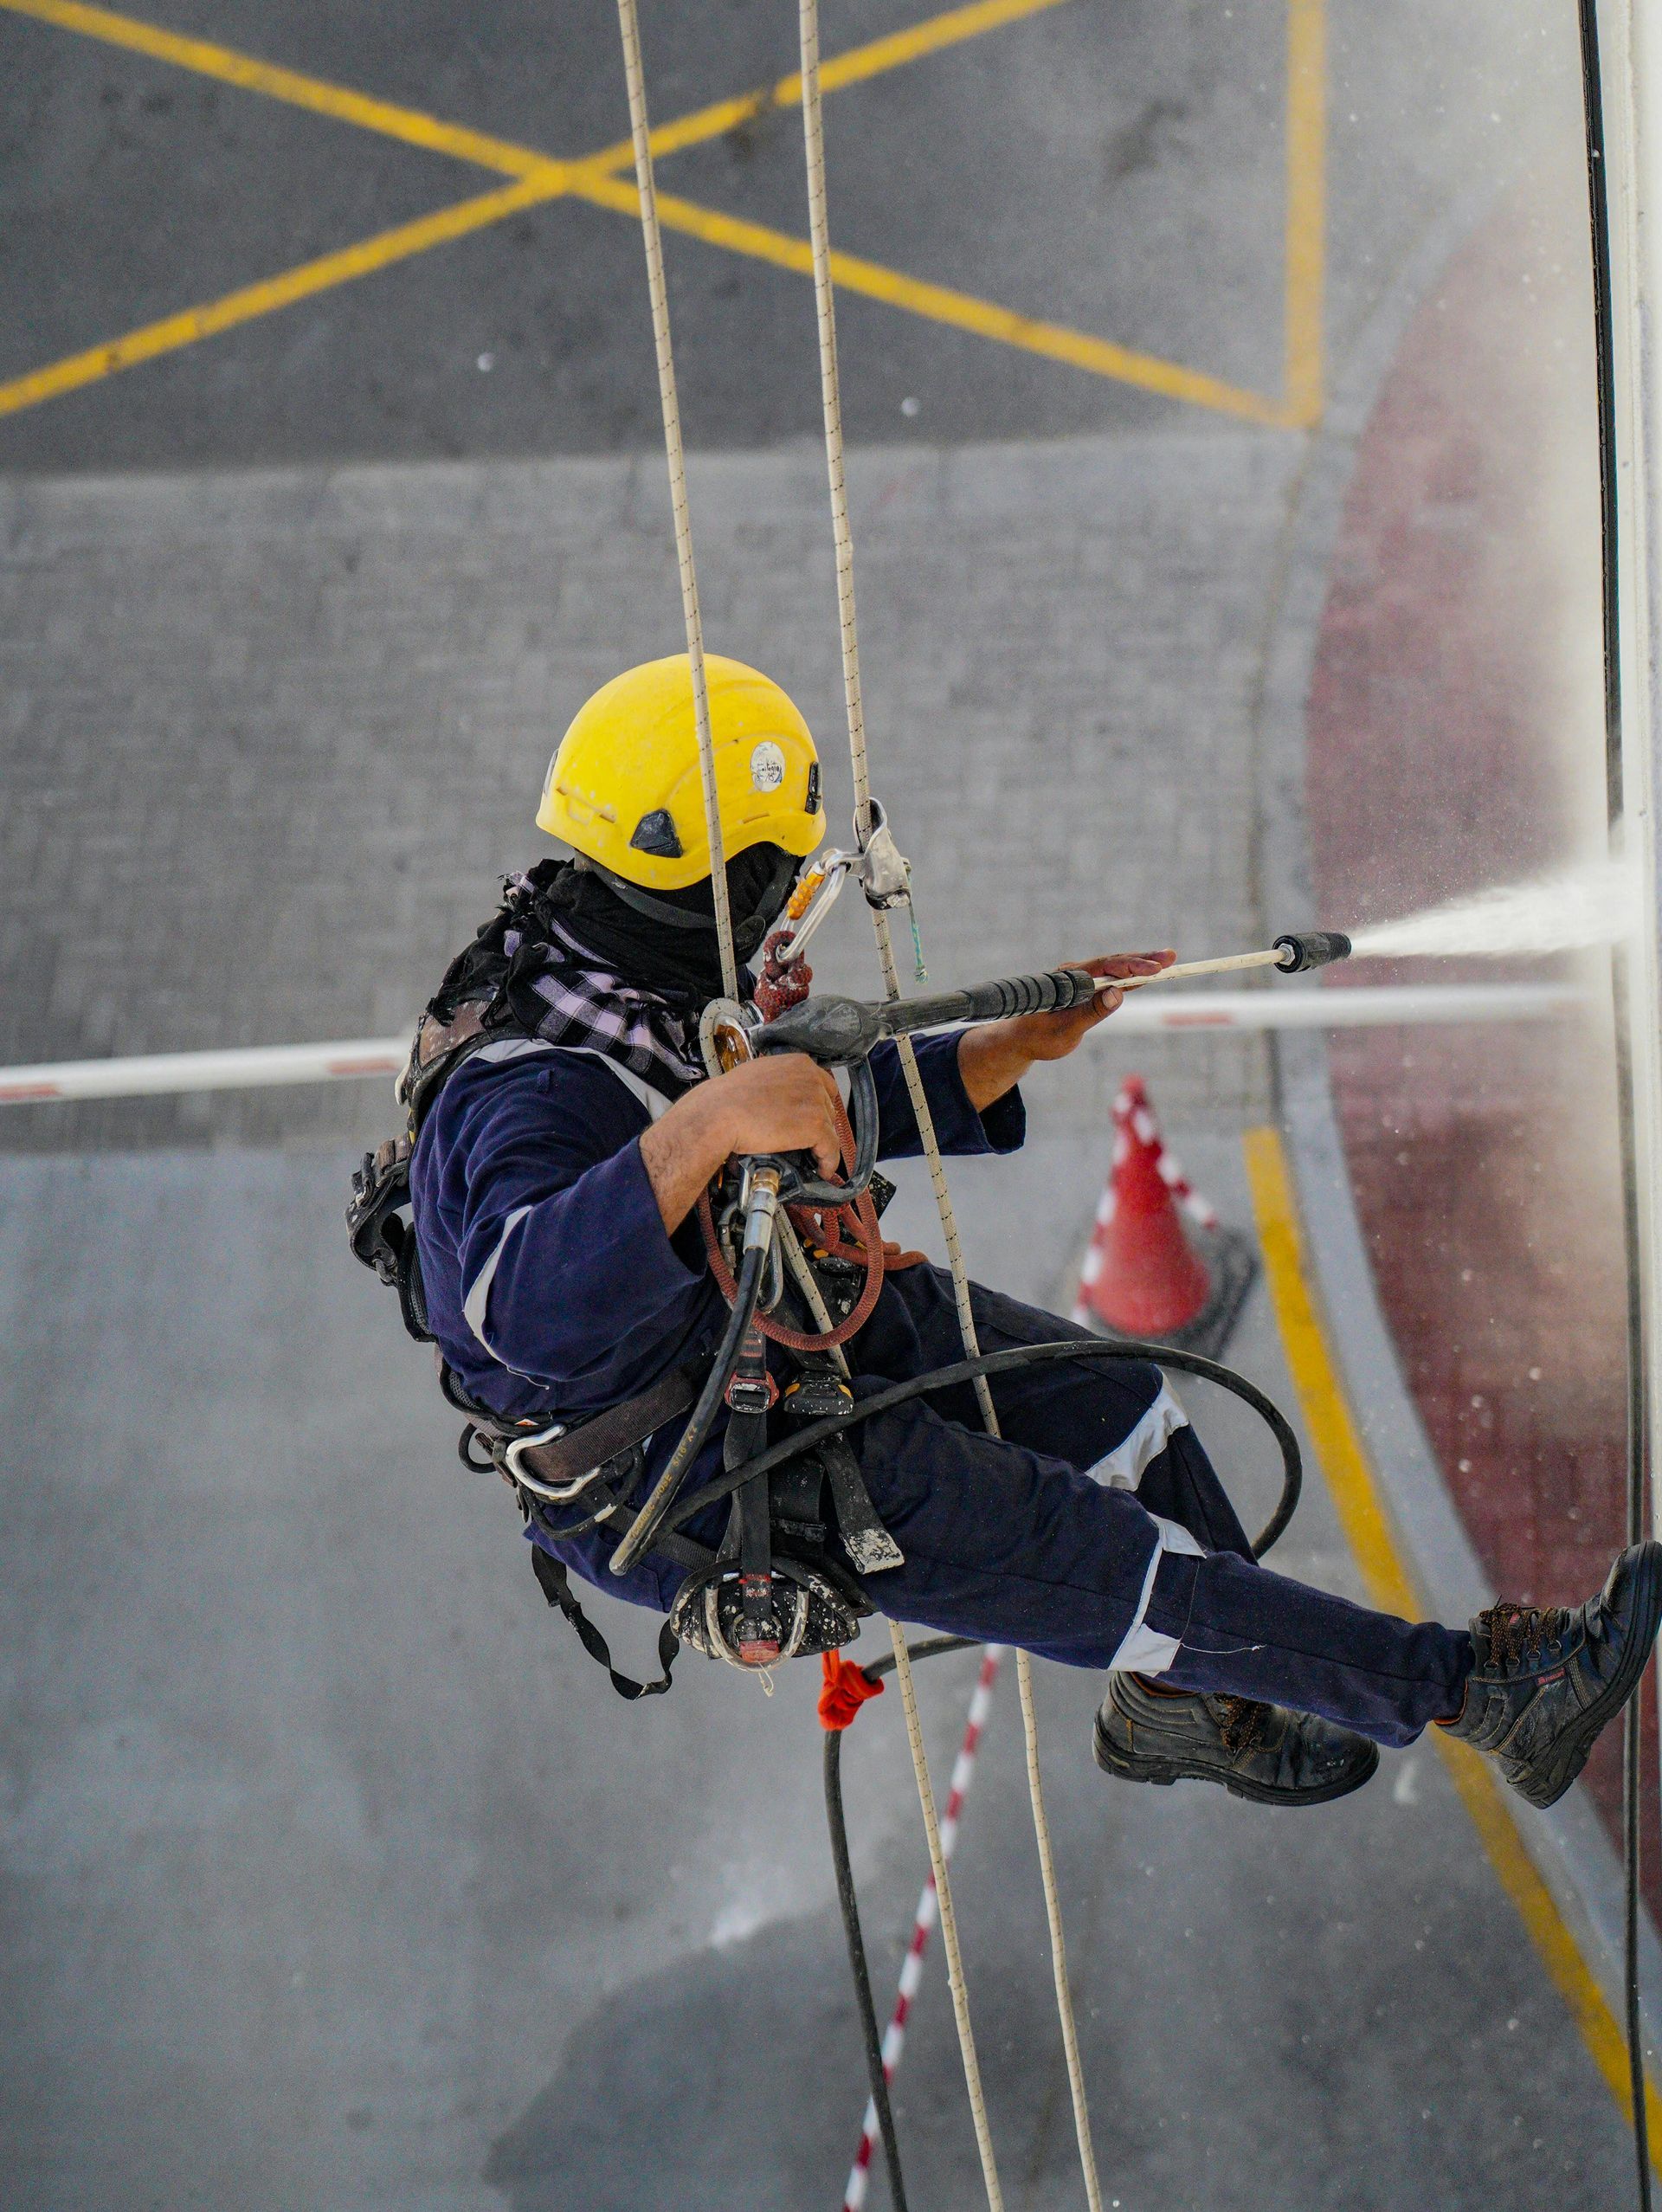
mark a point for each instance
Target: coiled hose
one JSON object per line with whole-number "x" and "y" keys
{"x": 1004, "y": 1362}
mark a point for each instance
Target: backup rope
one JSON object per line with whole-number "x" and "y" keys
{"x": 630, "y": 24}
{"x": 825, "y": 302}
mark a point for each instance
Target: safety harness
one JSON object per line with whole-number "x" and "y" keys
{"x": 769, "y": 1591}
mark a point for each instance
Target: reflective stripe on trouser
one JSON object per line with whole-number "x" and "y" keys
{"x": 1015, "y": 1540}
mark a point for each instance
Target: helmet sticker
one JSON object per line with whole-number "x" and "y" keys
{"x": 767, "y": 766}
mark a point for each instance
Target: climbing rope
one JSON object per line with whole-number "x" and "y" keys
{"x": 825, "y": 302}
{"x": 865, "y": 820}
{"x": 814, "y": 142}
{"x": 629, "y": 25}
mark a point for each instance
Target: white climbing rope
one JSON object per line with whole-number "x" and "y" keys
{"x": 629, "y": 24}
{"x": 819, "y": 230}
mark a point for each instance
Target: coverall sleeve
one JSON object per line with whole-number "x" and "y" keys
{"x": 568, "y": 1276}
{"x": 1000, "y": 1128}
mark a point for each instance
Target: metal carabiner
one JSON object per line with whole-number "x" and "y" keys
{"x": 555, "y": 1494}
{"x": 834, "y": 869}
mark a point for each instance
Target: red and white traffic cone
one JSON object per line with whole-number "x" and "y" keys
{"x": 1141, "y": 1274}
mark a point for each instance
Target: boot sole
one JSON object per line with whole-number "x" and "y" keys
{"x": 1579, "y": 1741}
{"x": 1163, "y": 1773}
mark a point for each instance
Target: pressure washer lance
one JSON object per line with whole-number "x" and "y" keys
{"x": 838, "y": 1031}
{"x": 1292, "y": 955}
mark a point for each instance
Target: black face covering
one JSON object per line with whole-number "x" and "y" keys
{"x": 656, "y": 952}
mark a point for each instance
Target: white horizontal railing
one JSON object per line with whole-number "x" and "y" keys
{"x": 156, "y": 1073}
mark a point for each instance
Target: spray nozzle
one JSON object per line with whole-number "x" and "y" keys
{"x": 1310, "y": 948}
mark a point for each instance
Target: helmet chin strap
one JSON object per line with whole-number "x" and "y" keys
{"x": 659, "y": 910}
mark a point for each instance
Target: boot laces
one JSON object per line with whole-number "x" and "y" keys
{"x": 1518, "y": 1634}
{"x": 1242, "y": 1723}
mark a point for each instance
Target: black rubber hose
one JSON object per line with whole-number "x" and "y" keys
{"x": 646, "y": 1524}
{"x": 1002, "y": 1363}
{"x": 849, "y": 1903}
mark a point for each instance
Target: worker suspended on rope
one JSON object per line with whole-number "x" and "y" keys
{"x": 564, "y": 1136}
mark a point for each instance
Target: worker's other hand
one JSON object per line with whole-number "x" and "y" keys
{"x": 995, "y": 1055}
{"x": 1053, "y": 1036}
{"x": 783, "y": 1102}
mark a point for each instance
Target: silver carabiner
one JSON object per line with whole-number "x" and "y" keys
{"x": 834, "y": 869}
{"x": 556, "y": 1493}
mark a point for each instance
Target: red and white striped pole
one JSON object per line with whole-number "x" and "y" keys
{"x": 912, "y": 1972}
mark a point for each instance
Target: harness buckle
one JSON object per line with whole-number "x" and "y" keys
{"x": 556, "y": 1493}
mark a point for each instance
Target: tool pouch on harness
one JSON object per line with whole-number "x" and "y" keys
{"x": 382, "y": 1234}
{"x": 379, "y": 1225}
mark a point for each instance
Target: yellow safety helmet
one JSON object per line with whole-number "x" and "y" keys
{"x": 624, "y": 787}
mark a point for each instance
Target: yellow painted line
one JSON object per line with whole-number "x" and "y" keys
{"x": 1392, "y": 1586}
{"x": 1306, "y": 215}
{"x": 951, "y": 27}
{"x": 856, "y": 67}
{"x": 936, "y": 302}
{"x": 254, "y": 299}
{"x": 384, "y": 117}
{"x": 543, "y": 178}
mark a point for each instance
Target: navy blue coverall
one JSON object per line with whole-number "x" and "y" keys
{"x": 1094, "y": 1532}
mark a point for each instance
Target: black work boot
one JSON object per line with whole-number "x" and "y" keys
{"x": 1260, "y": 1751}
{"x": 1546, "y": 1682}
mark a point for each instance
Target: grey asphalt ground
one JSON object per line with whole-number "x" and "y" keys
{"x": 337, "y": 1875}
{"x": 334, "y": 1873}
{"x": 1116, "y": 167}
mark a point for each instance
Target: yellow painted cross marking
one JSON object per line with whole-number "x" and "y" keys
{"x": 382, "y": 116}
{"x": 1306, "y": 225}
{"x": 1392, "y": 1586}
{"x": 933, "y": 36}
{"x": 936, "y": 302}
{"x": 543, "y": 178}
{"x": 172, "y": 331}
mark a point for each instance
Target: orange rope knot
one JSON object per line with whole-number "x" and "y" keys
{"x": 846, "y": 1689}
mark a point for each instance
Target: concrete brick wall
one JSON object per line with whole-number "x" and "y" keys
{"x": 269, "y": 740}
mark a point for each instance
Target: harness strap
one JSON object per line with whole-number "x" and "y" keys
{"x": 562, "y": 1459}
{"x": 557, "y": 1588}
